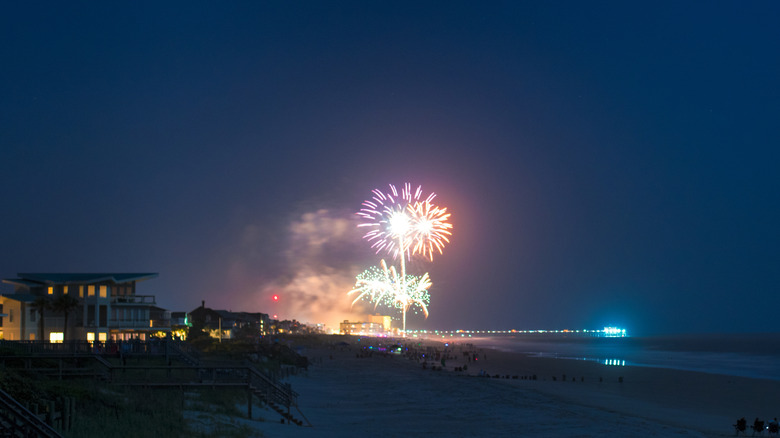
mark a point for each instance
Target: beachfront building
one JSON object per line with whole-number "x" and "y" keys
{"x": 180, "y": 325}
{"x": 361, "y": 328}
{"x": 105, "y": 307}
{"x": 385, "y": 320}
{"x": 247, "y": 322}
{"x": 225, "y": 324}
{"x": 373, "y": 325}
{"x": 290, "y": 326}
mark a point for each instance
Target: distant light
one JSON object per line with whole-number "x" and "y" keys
{"x": 614, "y": 332}
{"x": 275, "y": 297}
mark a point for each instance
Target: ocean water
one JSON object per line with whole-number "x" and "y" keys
{"x": 746, "y": 355}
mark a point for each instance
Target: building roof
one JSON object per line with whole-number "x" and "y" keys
{"x": 29, "y": 280}
{"x": 24, "y": 298}
{"x": 226, "y": 314}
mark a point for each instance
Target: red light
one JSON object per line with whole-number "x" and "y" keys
{"x": 275, "y": 298}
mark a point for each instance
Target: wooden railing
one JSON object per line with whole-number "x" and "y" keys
{"x": 277, "y": 394}
{"x": 18, "y": 421}
{"x": 160, "y": 347}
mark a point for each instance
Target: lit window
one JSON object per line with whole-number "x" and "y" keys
{"x": 81, "y": 291}
{"x": 102, "y": 337}
{"x": 51, "y": 290}
{"x": 56, "y": 337}
{"x": 65, "y": 290}
{"x": 91, "y": 291}
{"x": 90, "y": 337}
{"x": 103, "y": 291}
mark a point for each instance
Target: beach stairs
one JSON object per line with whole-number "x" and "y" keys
{"x": 277, "y": 395}
{"x": 284, "y": 411}
{"x": 105, "y": 368}
{"x": 18, "y": 421}
{"x": 188, "y": 357}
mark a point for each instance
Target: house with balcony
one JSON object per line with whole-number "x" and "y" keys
{"x": 107, "y": 307}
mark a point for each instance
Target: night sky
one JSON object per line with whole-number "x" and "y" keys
{"x": 605, "y": 163}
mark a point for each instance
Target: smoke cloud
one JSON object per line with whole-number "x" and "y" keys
{"x": 318, "y": 269}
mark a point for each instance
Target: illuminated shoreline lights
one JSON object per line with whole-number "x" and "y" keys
{"x": 607, "y": 332}
{"x": 402, "y": 224}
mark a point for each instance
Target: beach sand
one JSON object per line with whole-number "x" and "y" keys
{"x": 390, "y": 395}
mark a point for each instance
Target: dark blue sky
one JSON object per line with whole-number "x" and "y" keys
{"x": 604, "y": 162}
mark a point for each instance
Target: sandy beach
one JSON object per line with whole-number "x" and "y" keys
{"x": 348, "y": 392}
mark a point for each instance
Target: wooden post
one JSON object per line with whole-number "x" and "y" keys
{"x": 249, "y": 402}
{"x": 248, "y": 393}
{"x": 50, "y": 413}
{"x": 66, "y": 414}
{"x": 72, "y": 411}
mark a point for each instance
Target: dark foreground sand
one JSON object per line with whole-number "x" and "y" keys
{"x": 348, "y": 396}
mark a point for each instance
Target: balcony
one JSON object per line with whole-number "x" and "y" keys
{"x": 53, "y": 322}
{"x": 133, "y": 299}
{"x": 128, "y": 324}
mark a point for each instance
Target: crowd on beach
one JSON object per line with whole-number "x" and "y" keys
{"x": 466, "y": 354}
{"x": 463, "y": 358}
{"x": 429, "y": 353}
{"x": 773, "y": 427}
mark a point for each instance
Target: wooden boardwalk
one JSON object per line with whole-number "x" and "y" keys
{"x": 109, "y": 363}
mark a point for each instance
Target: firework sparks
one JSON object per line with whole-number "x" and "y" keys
{"x": 391, "y": 220}
{"x": 374, "y": 284}
{"x": 430, "y": 228}
{"x": 382, "y": 286}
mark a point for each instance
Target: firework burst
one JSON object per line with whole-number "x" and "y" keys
{"x": 402, "y": 224}
{"x": 388, "y": 216}
{"x": 383, "y": 286}
{"x": 430, "y": 228}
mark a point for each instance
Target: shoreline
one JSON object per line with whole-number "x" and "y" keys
{"x": 678, "y": 395}
{"x": 751, "y": 358}
{"x": 670, "y": 402}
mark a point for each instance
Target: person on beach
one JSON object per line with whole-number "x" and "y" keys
{"x": 758, "y": 426}
{"x": 741, "y": 425}
{"x": 774, "y": 427}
